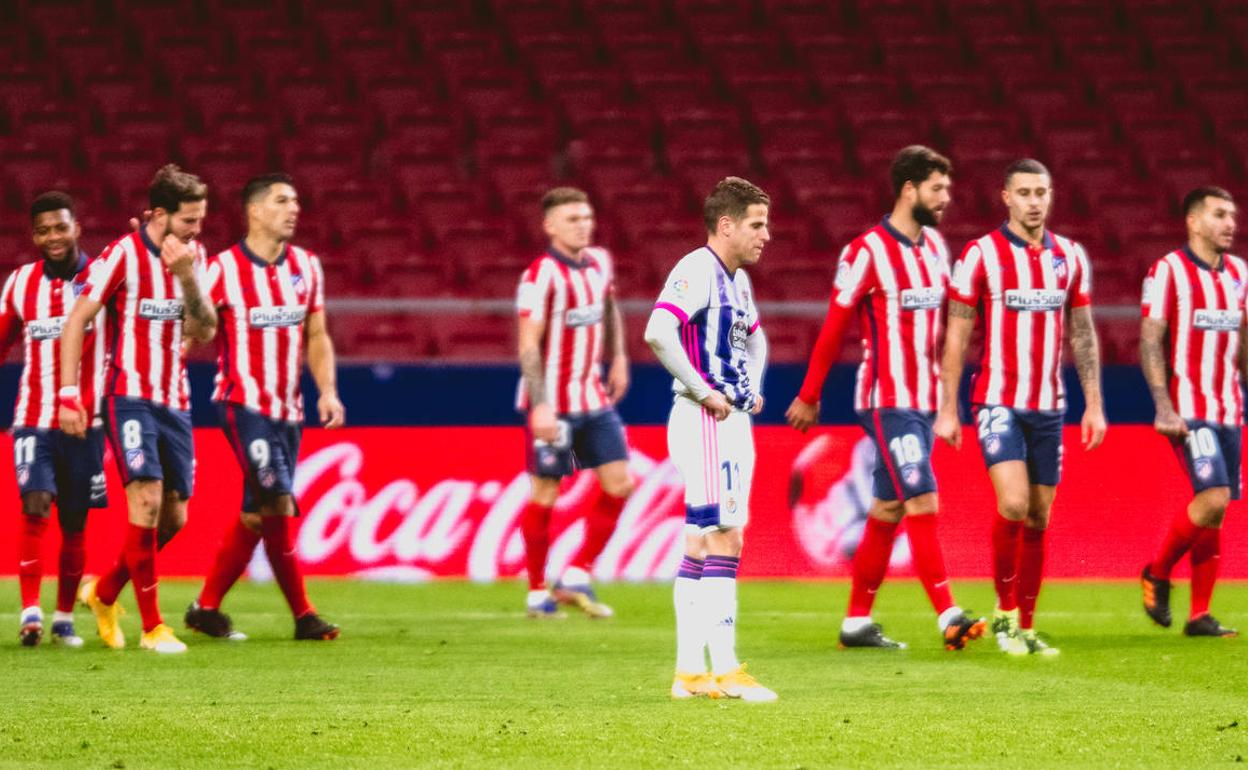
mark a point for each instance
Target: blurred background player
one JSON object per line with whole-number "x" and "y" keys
{"x": 149, "y": 281}
{"x": 1192, "y": 351}
{"x": 705, "y": 331}
{"x": 49, "y": 464}
{"x": 270, "y": 298}
{"x": 894, "y": 276}
{"x": 1027, "y": 279}
{"x": 568, "y": 317}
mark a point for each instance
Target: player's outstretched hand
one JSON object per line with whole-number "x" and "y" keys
{"x": 331, "y": 410}
{"x": 1093, "y": 428}
{"x": 802, "y": 415}
{"x": 949, "y": 428}
{"x": 717, "y": 405}
{"x": 1170, "y": 424}
{"x": 542, "y": 423}
{"x": 176, "y": 255}
{"x": 617, "y": 379}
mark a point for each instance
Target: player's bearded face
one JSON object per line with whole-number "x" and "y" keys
{"x": 1216, "y": 223}
{"x": 186, "y": 223}
{"x": 932, "y": 199}
{"x": 55, "y": 234}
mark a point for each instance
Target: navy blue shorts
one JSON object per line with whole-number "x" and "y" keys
{"x": 903, "y": 452}
{"x": 151, "y": 441}
{"x": 72, "y": 469}
{"x": 585, "y": 441}
{"x": 266, "y": 451}
{"x": 1211, "y": 456}
{"x": 1034, "y": 438}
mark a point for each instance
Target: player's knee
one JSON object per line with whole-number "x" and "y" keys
{"x": 1014, "y": 507}
{"x": 1208, "y": 507}
{"x": 1038, "y": 519}
{"x": 71, "y": 520}
{"x": 144, "y": 499}
{"x": 618, "y": 487}
{"x": 251, "y": 521}
{"x": 37, "y": 504}
{"x": 545, "y": 491}
{"x": 921, "y": 504}
{"x": 890, "y": 511}
{"x": 725, "y": 542}
{"x": 281, "y": 506}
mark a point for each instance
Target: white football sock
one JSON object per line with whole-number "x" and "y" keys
{"x": 947, "y": 617}
{"x": 719, "y": 602}
{"x": 690, "y": 639}
{"x": 574, "y": 576}
{"x": 854, "y": 625}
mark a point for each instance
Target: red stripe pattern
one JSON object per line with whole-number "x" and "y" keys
{"x": 262, "y": 312}
{"x": 36, "y": 305}
{"x": 143, "y": 302}
{"x": 1203, "y": 309}
{"x": 1025, "y": 292}
{"x": 569, "y": 299}
{"x": 898, "y": 289}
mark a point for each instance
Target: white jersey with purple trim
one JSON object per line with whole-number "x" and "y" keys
{"x": 717, "y": 314}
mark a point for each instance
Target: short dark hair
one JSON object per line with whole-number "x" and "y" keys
{"x": 1025, "y": 166}
{"x": 732, "y": 197}
{"x": 557, "y": 196}
{"x": 915, "y": 164}
{"x": 259, "y": 185}
{"x": 1197, "y": 197}
{"x": 171, "y": 187}
{"x": 53, "y": 200}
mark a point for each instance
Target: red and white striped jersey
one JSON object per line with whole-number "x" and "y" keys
{"x": 36, "y": 303}
{"x": 570, "y": 298}
{"x": 1204, "y": 310}
{"x": 144, "y": 305}
{"x": 1025, "y": 291}
{"x": 898, "y": 288}
{"x": 262, "y": 309}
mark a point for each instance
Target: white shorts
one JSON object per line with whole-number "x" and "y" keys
{"x": 716, "y": 462}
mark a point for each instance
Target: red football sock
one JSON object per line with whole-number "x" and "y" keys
{"x": 277, "y": 531}
{"x": 1006, "y": 541}
{"x": 30, "y": 561}
{"x": 1206, "y": 554}
{"x": 73, "y": 558}
{"x": 232, "y": 558}
{"x": 929, "y": 562}
{"x": 1030, "y": 575}
{"x": 870, "y": 564}
{"x": 111, "y": 583}
{"x": 599, "y": 525}
{"x": 141, "y": 563}
{"x": 534, "y": 525}
{"x": 1178, "y": 540}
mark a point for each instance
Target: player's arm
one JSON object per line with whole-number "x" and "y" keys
{"x": 1241, "y": 361}
{"x": 756, "y": 349}
{"x": 324, "y": 370}
{"x": 70, "y": 412}
{"x": 663, "y": 337}
{"x": 1153, "y": 333}
{"x": 1087, "y": 353}
{"x": 959, "y": 325}
{"x": 200, "y": 321}
{"x": 10, "y": 322}
{"x": 616, "y": 345}
{"x": 542, "y": 420}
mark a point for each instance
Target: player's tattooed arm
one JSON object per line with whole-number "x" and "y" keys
{"x": 1242, "y": 361}
{"x": 961, "y": 322}
{"x": 1087, "y": 352}
{"x": 530, "y": 352}
{"x": 200, "y": 321}
{"x": 1156, "y": 373}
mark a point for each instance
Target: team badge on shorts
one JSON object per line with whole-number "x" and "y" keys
{"x": 731, "y": 505}
{"x": 910, "y": 475}
{"x": 266, "y": 477}
{"x": 1204, "y": 469}
{"x": 134, "y": 459}
{"x": 992, "y": 444}
{"x": 23, "y": 475}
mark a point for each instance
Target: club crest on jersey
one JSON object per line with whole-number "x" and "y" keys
{"x": 922, "y": 298}
{"x": 23, "y": 475}
{"x": 1036, "y": 300}
{"x": 738, "y": 334}
{"x": 910, "y": 475}
{"x": 680, "y": 287}
{"x": 77, "y": 287}
{"x": 1059, "y": 267}
{"x": 45, "y": 328}
{"x": 135, "y": 459}
{"x": 583, "y": 316}
{"x": 160, "y": 309}
{"x": 278, "y": 315}
{"x": 1217, "y": 320}
{"x": 992, "y": 444}
{"x": 299, "y": 285}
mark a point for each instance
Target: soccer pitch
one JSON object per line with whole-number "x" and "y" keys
{"x": 452, "y": 675}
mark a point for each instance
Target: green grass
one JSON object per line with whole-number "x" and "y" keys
{"x": 452, "y": 675}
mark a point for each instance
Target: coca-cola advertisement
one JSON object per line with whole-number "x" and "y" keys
{"x": 408, "y": 504}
